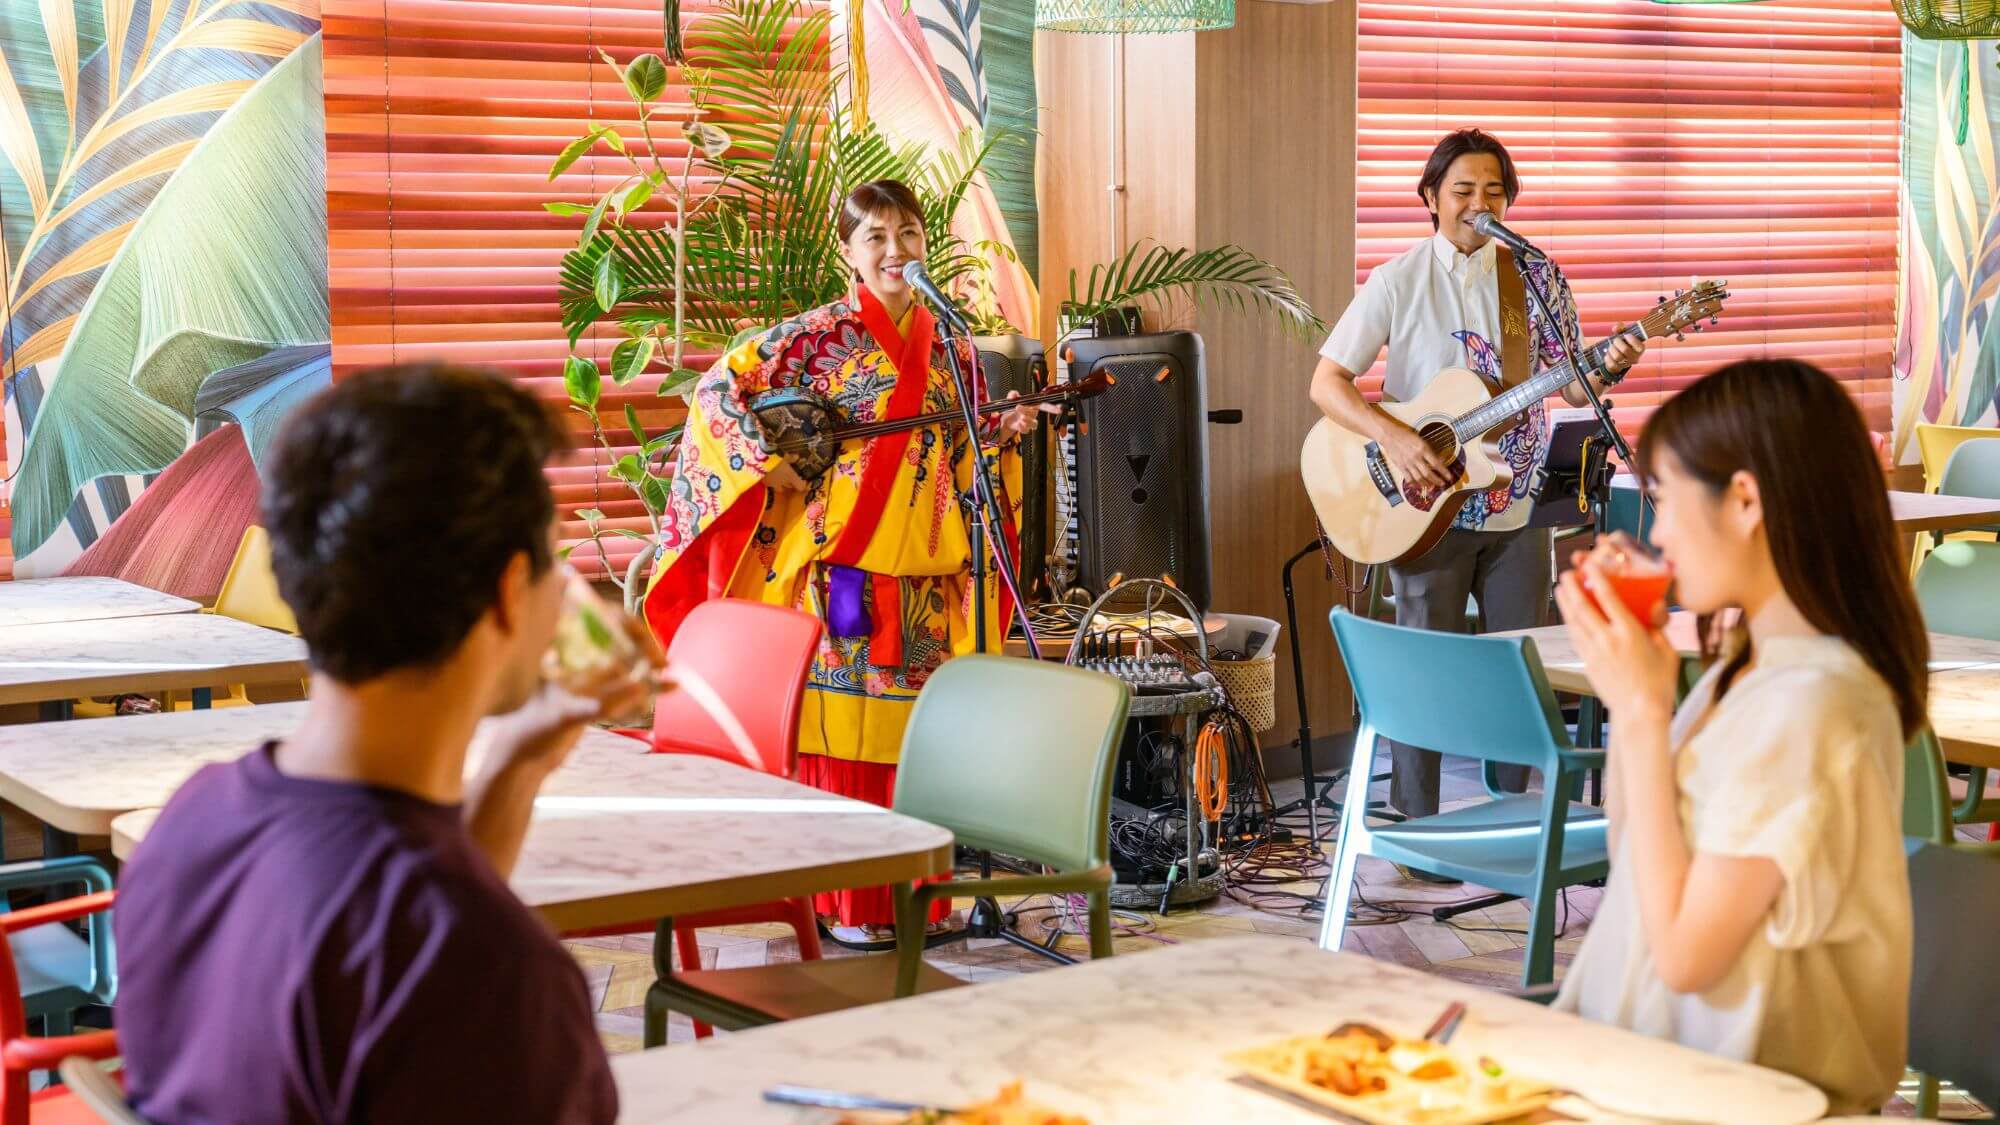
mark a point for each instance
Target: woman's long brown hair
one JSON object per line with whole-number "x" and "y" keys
{"x": 1826, "y": 506}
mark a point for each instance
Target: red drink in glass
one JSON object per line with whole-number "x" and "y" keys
{"x": 1637, "y": 576}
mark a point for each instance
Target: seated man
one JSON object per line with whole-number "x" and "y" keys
{"x": 321, "y": 930}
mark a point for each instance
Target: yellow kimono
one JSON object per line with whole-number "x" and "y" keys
{"x": 876, "y": 547}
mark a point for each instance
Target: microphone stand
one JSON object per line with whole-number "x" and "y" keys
{"x": 1570, "y": 350}
{"x": 983, "y": 510}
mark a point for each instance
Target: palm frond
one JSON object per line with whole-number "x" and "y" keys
{"x": 1221, "y": 277}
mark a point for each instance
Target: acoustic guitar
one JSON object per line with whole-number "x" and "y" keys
{"x": 1372, "y": 515}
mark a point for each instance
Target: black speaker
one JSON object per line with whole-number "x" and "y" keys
{"x": 1142, "y": 463}
{"x": 1014, "y": 363}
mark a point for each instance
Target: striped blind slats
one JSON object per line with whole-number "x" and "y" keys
{"x": 443, "y": 117}
{"x": 1657, "y": 143}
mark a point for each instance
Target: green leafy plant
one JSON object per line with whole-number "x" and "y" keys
{"x": 1226, "y": 277}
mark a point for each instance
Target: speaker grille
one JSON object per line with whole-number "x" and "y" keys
{"x": 1142, "y": 466}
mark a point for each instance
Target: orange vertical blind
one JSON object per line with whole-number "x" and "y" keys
{"x": 442, "y": 118}
{"x": 1656, "y": 143}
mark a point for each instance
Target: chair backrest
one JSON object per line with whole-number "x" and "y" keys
{"x": 1936, "y": 444}
{"x": 1958, "y": 587}
{"x": 1478, "y": 697}
{"x": 1627, "y": 511}
{"x": 1016, "y": 756}
{"x": 1974, "y": 468}
{"x": 1955, "y": 1005}
{"x": 755, "y": 657}
{"x": 250, "y": 589}
{"x": 1926, "y": 793}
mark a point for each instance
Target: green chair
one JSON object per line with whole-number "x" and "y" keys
{"x": 1954, "y": 1013}
{"x": 1411, "y": 686}
{"x": 1927, "y": 811}
{"x": 1013, "y": 756}
{"x": 1958, "y": 587}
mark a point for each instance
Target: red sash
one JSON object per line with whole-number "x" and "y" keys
{"x": 881, "y": 459}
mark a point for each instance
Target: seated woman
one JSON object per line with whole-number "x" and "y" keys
{"x": 876, "y": 546}
{"x": 1758, "y": 906}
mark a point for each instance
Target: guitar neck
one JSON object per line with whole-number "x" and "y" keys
{"x": 937, "y": 417}
{"x": 1477, "y": 423}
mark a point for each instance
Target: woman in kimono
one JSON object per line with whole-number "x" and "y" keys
{"x": 876, "y": 547}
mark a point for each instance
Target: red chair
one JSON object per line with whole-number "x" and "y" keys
{"x": 755, "y": 657}
{"x": 19, "y": 1052}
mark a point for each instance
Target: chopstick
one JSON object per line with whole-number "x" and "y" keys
{"x": 1447, "y": 1023}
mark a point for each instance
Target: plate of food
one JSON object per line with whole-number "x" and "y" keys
{"x": 1365, "y": 1073}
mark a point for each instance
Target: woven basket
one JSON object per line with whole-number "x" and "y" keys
{"x": 1252, "y": 688}
{"x": 1950, "y": 19}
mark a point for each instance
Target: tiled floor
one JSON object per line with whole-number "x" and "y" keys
{"x": 1482, "y": 948}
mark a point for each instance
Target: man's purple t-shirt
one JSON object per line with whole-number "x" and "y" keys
{"x": 292, "y": 950}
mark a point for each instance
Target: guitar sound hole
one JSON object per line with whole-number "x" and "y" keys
{"x": 1440, "y": 438}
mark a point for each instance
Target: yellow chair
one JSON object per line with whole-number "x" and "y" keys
{"x": 249, "y": 593}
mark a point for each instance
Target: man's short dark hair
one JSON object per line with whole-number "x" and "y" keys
{"x": 394, "y": 501}
{"x": 1465, "y": 142}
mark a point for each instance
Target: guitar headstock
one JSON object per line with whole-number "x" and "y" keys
{"x": 1694, "y": 308}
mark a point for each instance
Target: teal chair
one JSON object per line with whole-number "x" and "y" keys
{"x": 1627, "y": 510}
{"x": 1014, "y": 757}
{"x": 1412, "y": 686}
{"x": 1958, "y": 587}
{"x": 58, "y": 971}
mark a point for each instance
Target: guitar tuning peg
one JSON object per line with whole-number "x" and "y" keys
{"x": 1663, "y": 298}
{"x": 1678, "y": 293}
{"x": 1680, "y": 337}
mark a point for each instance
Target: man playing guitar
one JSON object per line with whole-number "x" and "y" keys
{"x": 1457, "y": 300}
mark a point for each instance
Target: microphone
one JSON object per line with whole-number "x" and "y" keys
{"x": 1492, "y": 228}
{"x": 916, "y": 278}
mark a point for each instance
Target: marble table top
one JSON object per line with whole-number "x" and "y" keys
{"x": 1928, "y": 511}
{"x": 1565, "y": 671}
{"x": 1965, "y": 684}
{"x": 163, "y": 652}
{"x": 1141, "y": 1038}
{"x": 77, "y": 776}
{"x": 44, "y": 601}
{"x": 619, "y": 834}
{"x": 1913, "y": 511}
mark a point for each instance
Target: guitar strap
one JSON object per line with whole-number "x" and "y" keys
{"x": 1513, "y": 328}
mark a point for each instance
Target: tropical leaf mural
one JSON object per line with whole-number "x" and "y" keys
{"x": 128, "y": 122}
{"x": 1947, "y": 362}
{"x": 927, "y": 85}
{"x": 257, "y": 395}
{"x": 1007, "y": 52}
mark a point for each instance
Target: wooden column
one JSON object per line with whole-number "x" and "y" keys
{"x": 1243, "y": 136}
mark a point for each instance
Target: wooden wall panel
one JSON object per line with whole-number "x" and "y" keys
{"x": 1243, "y": 136}
{"x": 1274, "y": 126}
